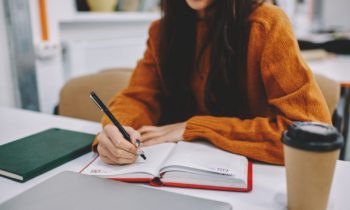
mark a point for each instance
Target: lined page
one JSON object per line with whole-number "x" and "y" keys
{"x": 155, "y": 155}
{"x": 205, "y": 157}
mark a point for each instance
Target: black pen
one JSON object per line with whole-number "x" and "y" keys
{"x": 103, "y": 108}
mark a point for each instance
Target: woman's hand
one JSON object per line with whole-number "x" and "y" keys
{"x": 151, "y": 135}
{"x": 114, "y": 148}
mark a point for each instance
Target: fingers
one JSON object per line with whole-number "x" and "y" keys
{"x": 150, "y": 135}
{"x": 107, "y": 160}
{"x": 150, "y": 132}
{"x": 155, "y": 135}
{"x": 111, "y": 162}
{"x": 110, "y": 150}
{"x": 113, "y": 133}
{"x": 132, "y": 133}
{"x": 106, "y": 154}
{"x": 114, "y": 148}
{"x": 118, "y": 140}
{"x": 153, "y": 141}
{"x": 147, "y": 128}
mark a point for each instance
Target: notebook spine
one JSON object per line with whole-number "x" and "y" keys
{"x": 157, "y": 182}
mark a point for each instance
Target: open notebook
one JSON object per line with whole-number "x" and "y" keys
{"x": 182, "y": 164}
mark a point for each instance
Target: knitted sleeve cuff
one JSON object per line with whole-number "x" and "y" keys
{"x": 196, "y": 128}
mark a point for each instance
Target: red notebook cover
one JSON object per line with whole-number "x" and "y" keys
{"x": 158, "y": 183}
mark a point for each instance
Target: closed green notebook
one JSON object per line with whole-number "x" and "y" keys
{"x": 31, "y": 156}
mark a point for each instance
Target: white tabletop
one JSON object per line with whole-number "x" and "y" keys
{"x": 336, "y": 68}
{"x": 269, "y": 182}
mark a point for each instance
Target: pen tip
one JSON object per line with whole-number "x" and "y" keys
{"x": 143, "y": 156}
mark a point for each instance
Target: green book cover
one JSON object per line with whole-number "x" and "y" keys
{"x": 31, "y": 156}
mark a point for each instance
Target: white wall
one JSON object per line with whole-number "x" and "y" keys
{"x": 336, "y": 13}
{"x": 65, "y": 24}
{"x": 7, "y": 97}
{"x": 288, "y": 7}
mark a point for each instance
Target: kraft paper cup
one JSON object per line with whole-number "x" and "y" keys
{"x": 310, "y": 151}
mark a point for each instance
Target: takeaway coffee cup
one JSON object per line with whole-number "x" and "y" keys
{"x": 310, "y": 151}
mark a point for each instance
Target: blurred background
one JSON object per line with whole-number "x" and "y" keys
{"x": 44, "y": 44}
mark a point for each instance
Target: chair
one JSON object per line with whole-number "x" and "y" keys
{"x": 336, "y": 100}
{"x": 330, "y": 90}
{"x": 74, "y": 97}
{"x": 75, "y": 101}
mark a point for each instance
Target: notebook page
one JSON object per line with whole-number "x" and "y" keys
{"x": 204, "y": 179}
{"x": 204, "y": 156}
{"x": 155, "y": 155}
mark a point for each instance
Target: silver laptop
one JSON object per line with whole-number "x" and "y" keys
{"x": 69, "y": 190}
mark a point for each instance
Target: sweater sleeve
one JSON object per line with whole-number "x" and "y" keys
{"x": 290, "y": 89}
{"x": 140, "y": 103}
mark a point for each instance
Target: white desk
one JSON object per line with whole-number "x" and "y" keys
{"x": 337, "y": 68}
{"x": 269, "y": 182}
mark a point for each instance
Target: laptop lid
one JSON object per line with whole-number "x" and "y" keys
{"x": 69, "y": 190}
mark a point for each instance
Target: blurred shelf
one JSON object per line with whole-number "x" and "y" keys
{"x": 113, "y": 17}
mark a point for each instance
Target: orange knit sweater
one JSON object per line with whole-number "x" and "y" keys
{"x": 279, "y": 85}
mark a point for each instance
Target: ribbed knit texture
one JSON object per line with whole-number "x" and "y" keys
{"x": 279, "y": 88}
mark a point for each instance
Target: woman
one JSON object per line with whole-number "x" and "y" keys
{"x": 228, "y": 71}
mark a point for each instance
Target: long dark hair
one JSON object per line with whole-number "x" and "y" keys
{"x": 228, "y": 35}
